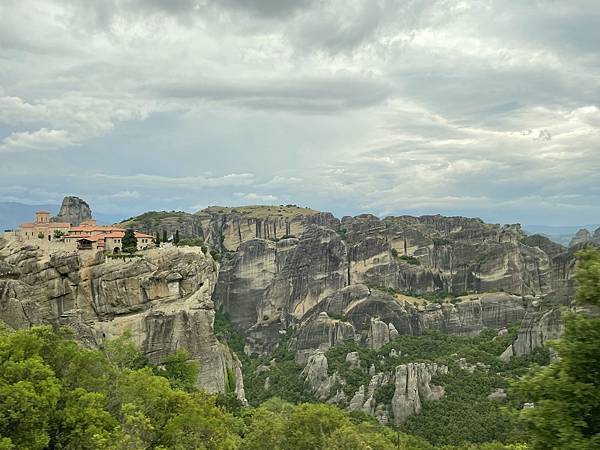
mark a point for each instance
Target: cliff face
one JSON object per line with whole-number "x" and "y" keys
{"x": 374, "y": 318}
{"x": 153, "y": 222}
{"x": 73, "y": 210}
{"x": 583, "y": 236}
{"x": 268, "y": 284}
{"x": 227, "y": 228}
{"x": 163, "y": 298}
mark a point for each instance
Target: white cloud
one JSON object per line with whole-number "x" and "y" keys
{"x": 142, "y": 179}
{"x": 42, "y": 139}
{"x": 254, "y": 197}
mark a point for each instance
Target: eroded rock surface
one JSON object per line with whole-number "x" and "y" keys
{"x": 413, "y": 387}
{"x": 268, "y": 284}
{"x": 163, "y": 298}
{"x": 73, "y": 210}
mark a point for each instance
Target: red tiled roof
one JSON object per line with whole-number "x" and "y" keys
{"x": 99, "y": 228}
{"x": 103, "y": 236}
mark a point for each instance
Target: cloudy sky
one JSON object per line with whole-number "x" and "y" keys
{"x": 483, "y": 108}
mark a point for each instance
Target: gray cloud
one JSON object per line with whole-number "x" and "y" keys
{"x": 483, "y": 108}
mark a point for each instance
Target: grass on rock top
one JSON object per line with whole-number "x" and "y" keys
{"x": 261, "y": 211}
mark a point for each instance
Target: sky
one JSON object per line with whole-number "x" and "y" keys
{"x": 480, "y": 108}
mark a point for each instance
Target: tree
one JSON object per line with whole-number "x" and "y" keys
{"x": 180, "y": 371}
{"x": 566, "y": 394}
{"x": 164, "y": 236}
{"x": 129, "y": 241}
{"x": 157, "y": 239}
{"x": 176, "y": 238}
{"x": 41, "y": 235}
{"x": 58, "y": 234}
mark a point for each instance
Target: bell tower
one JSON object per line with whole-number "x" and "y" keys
{"x": 42, "y": 217}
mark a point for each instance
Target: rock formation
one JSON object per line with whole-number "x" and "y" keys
{"x": 73, "y": 210}
{"x": 411, "y": 383}
{"x": 581, "y": 237}
{"x": 268, "y": 284}
{"x": 299, "y": 276}
{"x": 163, "y": 298}
{"x": 169, "y": 222}
{"x": 413, "y": 387}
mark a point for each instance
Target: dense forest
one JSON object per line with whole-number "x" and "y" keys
{"x": 56, "y": 394}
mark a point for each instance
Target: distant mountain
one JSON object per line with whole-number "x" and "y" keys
{"x": 559, "y": 234}
{"x": 12, "y": 214}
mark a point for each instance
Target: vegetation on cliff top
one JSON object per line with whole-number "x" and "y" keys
{"x": 261, "y": 211}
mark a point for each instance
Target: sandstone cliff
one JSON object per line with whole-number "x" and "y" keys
{"x": 268, "y": 284}
{"x": 163, "y": 298}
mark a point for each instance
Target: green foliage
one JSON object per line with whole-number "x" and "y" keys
{"x": 157, "y": 239}
{"x": 438, "y": 241}
{"x": 181, "y": 372}
{"x": 280, "y": 425}
{"x": 58, "y": 234}
{"x": 588, "y": 277}
{"x": 192, "y": 242}
{"x": 155, "y": 216}
{"x": 215, "y": 254}
{"x": 410, "y": 260}
{"x": 566, "y": 394}
{"x": 54, "y": 394}
{"x": 230, "y": 380}
{"x": 176, "y": 238}
{"x": 227, "y": 334}
{"x": 464, "y": 414}
{"x": 129, "y": 241}
{"x": 123, "y": 353}
{"x": 164, "y": 236}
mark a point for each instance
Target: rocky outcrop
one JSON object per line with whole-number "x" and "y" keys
{"x": 581, "y": 237}
{"x": 413, "y": 387}
{"x": 163, "y": 299}
{"x": 317, "y": 378}
{"x": 379, "y": 334}
{"x": 321, "y": 334}
{"x": 227, "y": 228}
{"x": 73, "y": 210}
{"x": 541, "y": 323}
{"x": 548, "y": 246}
{"x": 596, "y": 236}
{"x": 268, "y": 284}
{"x": 374, "y": 317}
{"x": 169, "y": 222}
{"x": 411, "y": 382}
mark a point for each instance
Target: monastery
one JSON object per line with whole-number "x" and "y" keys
{"x": 87, "y": 236}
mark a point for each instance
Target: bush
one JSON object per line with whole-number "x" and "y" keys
{"x": 410, "y": 260}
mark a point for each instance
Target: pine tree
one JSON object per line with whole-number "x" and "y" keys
{"x": 566, "y": 394}
{"x": 157, "y": 239}
{"x": 129, "y": 241}
{"x": 164, "y": 237}
{"x": 176, "y": 238}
